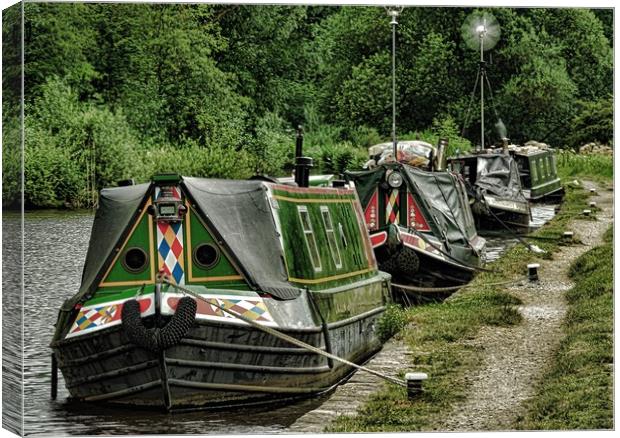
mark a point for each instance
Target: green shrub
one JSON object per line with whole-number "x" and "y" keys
{"x": 391, "y": 322}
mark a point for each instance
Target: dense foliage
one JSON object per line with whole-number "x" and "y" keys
{"x": 114, "y": 91}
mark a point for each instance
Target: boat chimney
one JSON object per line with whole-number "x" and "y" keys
{"x": 440, "y": 157}
{"x": 505, "y": 143}
{"x": 302, "y": 164}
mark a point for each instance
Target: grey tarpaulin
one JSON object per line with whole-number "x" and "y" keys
{"x": 446, "y": 198}
{"x": 239, "y": 212}
{"x": 498, "y": 174}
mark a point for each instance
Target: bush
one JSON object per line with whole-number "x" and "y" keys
{"x": 391, "y": 322}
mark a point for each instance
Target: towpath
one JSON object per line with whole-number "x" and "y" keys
{"x": 515, "y": 357}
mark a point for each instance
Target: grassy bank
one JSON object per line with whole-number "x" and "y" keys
{"x": 437, "y": 335}
{"x": 576, "y": 393}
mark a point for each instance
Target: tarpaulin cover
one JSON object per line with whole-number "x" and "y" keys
{"x": 446, "y": 198}
{"x": 441, "y": 194}
{"x": 117, "y": 207}
{"x": 239, "y": 212}
{"x": 366, "y": 181}
{"x": 498, "y": 174}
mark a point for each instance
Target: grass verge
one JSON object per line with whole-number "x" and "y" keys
{"x": 576, "y": 393}
{"x": 437, "y": 335}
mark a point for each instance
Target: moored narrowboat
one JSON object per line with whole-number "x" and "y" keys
{"x": 171, "y": 262}
{"x": 494, "y": 188}
{"x": 538, "y": 171}
{"x": 420, "y": 223}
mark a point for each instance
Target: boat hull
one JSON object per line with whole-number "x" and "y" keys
{"x": 215, "y": 364}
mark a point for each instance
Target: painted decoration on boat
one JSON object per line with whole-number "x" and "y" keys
{"x": 392, "y": 207}
{"x": 415, "y": 219}
{"x": 95, "y": 317}
{"x": 170, "y": 250}
{"x": 372, "y": 212}
{"x": 252, "y": 308}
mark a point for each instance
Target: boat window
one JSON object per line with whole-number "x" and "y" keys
{"x": 549, "y": 171}
{"x": 135, "y": 260}
{"x": 331, "y": 236}
{"x": 533, "y": 171}
{"x": 554, "y": 165}
{"x": 309, "y": 238}
{"x": 206, "y": 255}
{"x": 540, "y": 168}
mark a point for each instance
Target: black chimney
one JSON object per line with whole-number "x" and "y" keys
{"x": 302, "y": 164}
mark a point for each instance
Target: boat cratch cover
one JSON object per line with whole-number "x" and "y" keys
{"x": 237, "y": 212}
{"x": 498, "y": 175}
{"x": 435, "y": 192}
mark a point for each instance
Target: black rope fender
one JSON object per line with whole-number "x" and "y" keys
{"x": 158, "y": 339}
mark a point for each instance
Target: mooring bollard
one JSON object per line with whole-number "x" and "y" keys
{"x": 414, "y": 383}
{"x": 587, "y": 212}
{"x": 567, "y": 236}
{"x": 592, "y": 190}
{"x": 592, "y": 204}
{"x": 532, "y": 271}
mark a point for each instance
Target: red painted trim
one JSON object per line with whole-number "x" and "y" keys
{"x": 378, "y": 239}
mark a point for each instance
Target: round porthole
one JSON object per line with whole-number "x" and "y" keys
{"x": 206, "y": 255}
{"x": 135, "y": 260}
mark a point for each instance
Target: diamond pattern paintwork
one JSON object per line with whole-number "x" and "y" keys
{"x": 170, "y": 250}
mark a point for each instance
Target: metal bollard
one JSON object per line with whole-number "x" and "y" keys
{"x": 567, "y": 236}
{"x": 592, "y": 204}
{"x": 592, "y": 190}
{"x": 414, "y": 384}
{"x": 587, "y": 212}
{"x": 532, "y": 271}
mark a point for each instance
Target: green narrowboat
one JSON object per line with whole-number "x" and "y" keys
{"x": 495, "y": 191}
{"x": 538, "y": 171}
{"x": 294, "y": 259}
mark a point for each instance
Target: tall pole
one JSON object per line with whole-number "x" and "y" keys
{"x": 482, "y": 90}
{"x": 394, "y": 23}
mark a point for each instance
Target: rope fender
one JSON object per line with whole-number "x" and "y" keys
{"x": 158, "y": 339}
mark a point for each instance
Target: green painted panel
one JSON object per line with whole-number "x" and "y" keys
{"x": 198, "y": 235}
{"x": 138, "y": 239}
{"x": 348, "y": 236}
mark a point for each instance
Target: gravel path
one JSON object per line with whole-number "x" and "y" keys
{"x": 515, "y": 357}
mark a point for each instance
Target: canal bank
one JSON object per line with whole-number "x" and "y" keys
{"x": 487, "y": 347}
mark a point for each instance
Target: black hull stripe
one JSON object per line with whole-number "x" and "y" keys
{"x": 246, "y": 388}
{"x": 247, "y": 367}
{"x": 114, "y": 373}
{"x": 123, "y": 392}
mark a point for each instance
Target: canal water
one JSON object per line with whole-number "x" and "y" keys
{"x": 55, "y": 248}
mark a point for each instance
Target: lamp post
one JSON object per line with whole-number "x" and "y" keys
{"x": 394, "y": 12}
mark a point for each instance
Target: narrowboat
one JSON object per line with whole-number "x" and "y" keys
{"x": 291, "y": 258}
{"x": 420, "y": 222}
{"x": 538, "y": 172}
{"x": 494, "y": 189}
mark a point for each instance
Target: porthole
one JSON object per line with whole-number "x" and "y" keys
{"x": 135, "y": 260}
{"x": 206, "y": 255}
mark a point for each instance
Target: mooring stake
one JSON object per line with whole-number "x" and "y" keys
{"x": 54, "y": 377}
{"x": 592, "y": 190}
{"x": 592, "y": 204}
{"x": 414, "y": 383}
{"x": 532, "y": 271}
{"x": 587, "y": 212}
{"x": 567, "y": 236}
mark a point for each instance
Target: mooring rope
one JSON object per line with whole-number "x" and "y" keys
{"x": 283, "y": 336}
{"x": 454, "y": 288}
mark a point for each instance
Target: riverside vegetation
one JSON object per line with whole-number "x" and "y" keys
{"x": 576, "y": 391}
{"x": 115, "y": 91}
